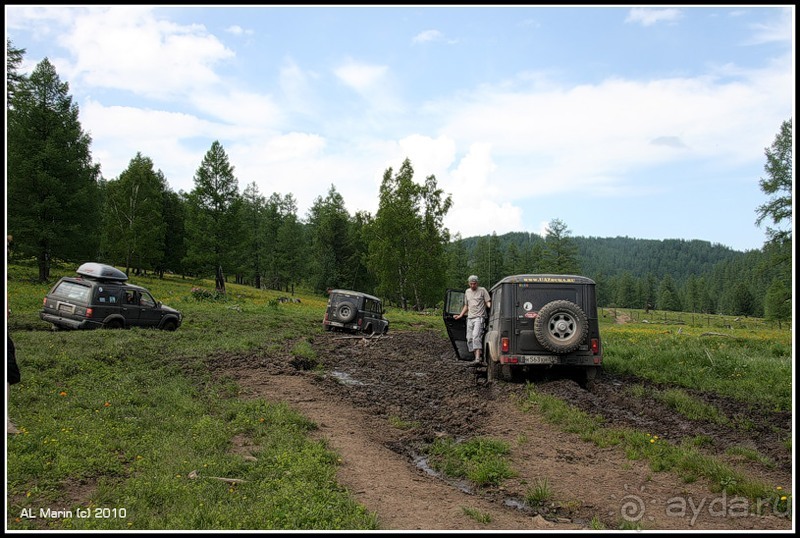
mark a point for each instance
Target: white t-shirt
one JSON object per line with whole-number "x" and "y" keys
{"x": 476, "y": 302}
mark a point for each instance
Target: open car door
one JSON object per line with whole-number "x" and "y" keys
{"x": 456, "y": 328}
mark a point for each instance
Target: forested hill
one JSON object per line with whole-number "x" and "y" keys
{"x": 613, "y": 256}
{"x": 676, "y": 257}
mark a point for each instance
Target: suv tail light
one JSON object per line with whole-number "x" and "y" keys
{"x": 504, "y": 345}
{"x": 595, "y": 346}
{"x": 89, "y": 312}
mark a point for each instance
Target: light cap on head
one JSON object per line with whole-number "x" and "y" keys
{"x": 472, "y": 278}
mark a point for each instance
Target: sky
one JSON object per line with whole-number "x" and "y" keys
{"x": 649, "y": 123}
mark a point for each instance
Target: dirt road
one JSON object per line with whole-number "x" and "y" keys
{"x": 367, "y": 387}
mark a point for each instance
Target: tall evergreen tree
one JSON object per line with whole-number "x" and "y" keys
{"x": 14, "y": 78}
{"x": 406, "y": 251}
{"x": 668, "y": 298}
{"x": 489, "y": 259}
{"x": 458, "y": 268}
{"x": 174, "y": 213}
{"x": 212, "y": 223}
{"x": 134, "y": 224}
{"x": 778, "y": 302}
{"x": 778, "y": 185}
{"x": 626, "y": 291}
{"x": 253, "y": 207}
{"x": 360, "y": 227}
{"x": 560, "y": 255}
{"x": 53, "y": 191}
{"x": 290, "y": 252}
{"x": 331, "y": 244}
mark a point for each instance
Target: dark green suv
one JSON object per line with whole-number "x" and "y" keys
{"x": 354, "y": 311}
{"x": 536, "y": 321}
{"x": 100, "y": 297}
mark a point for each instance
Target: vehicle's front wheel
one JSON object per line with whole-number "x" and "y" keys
{"x": 170, "y": 325}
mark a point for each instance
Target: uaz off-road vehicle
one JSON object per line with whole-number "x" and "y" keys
{"x": 354, "y": 311}
{"x": 535, "y": 321}
{"x": 100, "y": 298}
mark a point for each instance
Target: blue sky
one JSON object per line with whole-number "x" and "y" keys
{"x": 640, "y": 122}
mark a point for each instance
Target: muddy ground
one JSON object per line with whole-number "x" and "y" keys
{"x": 370, "y": 390}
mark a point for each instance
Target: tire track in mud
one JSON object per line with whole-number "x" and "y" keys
{"x": 413, "y": 377}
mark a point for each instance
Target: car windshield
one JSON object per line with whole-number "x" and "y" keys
{"x": 72, "y": 291}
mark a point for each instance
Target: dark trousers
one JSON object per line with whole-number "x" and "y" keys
{"x": 13, "y": 370}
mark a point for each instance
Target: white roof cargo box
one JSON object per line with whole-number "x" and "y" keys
{"x": 101, "y": 271}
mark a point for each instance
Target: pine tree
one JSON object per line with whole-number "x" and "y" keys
{"x": 407, "y": 248}
{"x": 53, "y": 192}
{"x": 560, "y": 255}
{"x": 134, "y": 228}
{"x": 212, "y": 223}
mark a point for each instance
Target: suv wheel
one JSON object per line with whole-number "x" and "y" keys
{"x": 493, "y": 370}
{"x": 561, "y": 326}
{"x": 115, "y": 324}
{"x": 346, "y": 311}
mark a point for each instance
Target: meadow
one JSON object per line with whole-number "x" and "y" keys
{"x": 127, "y": 430}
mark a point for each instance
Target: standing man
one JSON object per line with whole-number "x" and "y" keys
{"x": 476, "y": 303}
{"x": 12, "y": 369}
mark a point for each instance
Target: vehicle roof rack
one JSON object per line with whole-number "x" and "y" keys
{"x": 101, "y": 271}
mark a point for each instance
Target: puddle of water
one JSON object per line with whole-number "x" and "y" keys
{"x": 515, "y": 503}
{"x": 422, "y": 463}
{"x": 345, "y": 378}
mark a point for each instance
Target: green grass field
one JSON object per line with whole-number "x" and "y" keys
{"x": 130, "y": 425}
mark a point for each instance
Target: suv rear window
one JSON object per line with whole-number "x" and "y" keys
{"x": 73, "y": 291}
{"x": 540, "y": 296}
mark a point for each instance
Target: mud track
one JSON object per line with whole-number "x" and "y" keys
{"x": 379, "y": 402}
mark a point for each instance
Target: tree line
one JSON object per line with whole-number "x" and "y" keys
{"x": 60, "y": 208}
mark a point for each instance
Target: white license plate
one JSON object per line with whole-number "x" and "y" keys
{"x": 538, "y": 359}
{"x": 66, "y": 308}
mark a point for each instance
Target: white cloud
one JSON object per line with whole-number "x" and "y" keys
{"x": 359, "y": 76}
{"x": 238, "y": 30}
{"x": 649, "y": 17}
{"x": 780, "y": 30}
{"x": 128, "y": 48}
{"x": 428, "y": 35}
{"x": 494, "y": 147}
{"x": 118, "y": 133}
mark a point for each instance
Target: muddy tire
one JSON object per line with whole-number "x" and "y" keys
{"x": 588, "y": 378}
{"x": 114, "y": 324}
{"x": 506, "y": 372}
{"x": 493, "y": 370}
{"x": 346, "y": 311}
{"x": 561, "y": 326}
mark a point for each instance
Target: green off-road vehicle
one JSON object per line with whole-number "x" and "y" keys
{"x": 536, "y": 321}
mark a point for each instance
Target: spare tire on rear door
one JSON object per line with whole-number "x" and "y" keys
{"x": 346, "y": 311}
{"x": 561, "y": 326}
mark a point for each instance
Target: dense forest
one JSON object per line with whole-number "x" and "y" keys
{"x": 672, "y": 274}
{"x": 61, "y": 209}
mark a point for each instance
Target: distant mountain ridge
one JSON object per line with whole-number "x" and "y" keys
{"x": 612, "y": 256}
